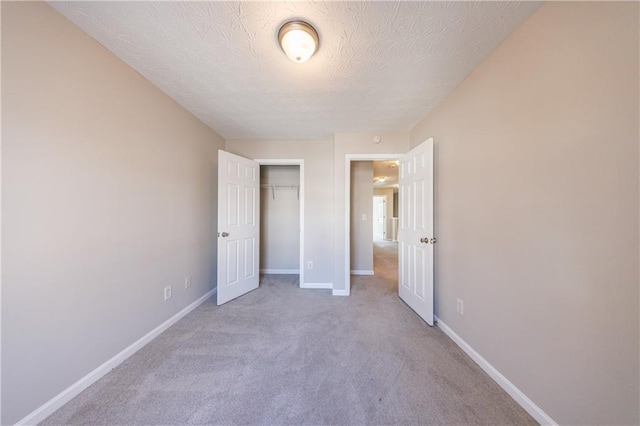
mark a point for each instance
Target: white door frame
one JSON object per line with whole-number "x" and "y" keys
{"x": 347, "y": 207}
{"x": 292, "y": 162}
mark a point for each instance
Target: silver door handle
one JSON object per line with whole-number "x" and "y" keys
{"x": 433, "y": 240}
{"x": 223, "y": 235}
{"x": 424, "y": 240}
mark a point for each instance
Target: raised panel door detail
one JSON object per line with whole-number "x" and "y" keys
{"x": 418, "y": 266}
{"x": 233, "y": 204}
{"x": 249, "y": 257}
{"x": 250, "y": 173}
{"x": 233, "y": 265}
{"x": 233, "y": 169}
{"x": 418, "y": 208}
{"x": 405, "y": 275}
{"x": 250, "y": 206}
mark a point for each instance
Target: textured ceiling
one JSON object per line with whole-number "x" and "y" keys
{"x": 382, "y": 66}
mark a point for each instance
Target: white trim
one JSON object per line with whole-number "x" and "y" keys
{"x": 72, "y": 391}
{"x": 279, "y": 271}
{"x": 361, "y": 272}
{"x": 0, "y": 244}
{"x": 1, "y": 240}
{"x": 292, "y": 162}
{"x": 317, "y": 285}
{"x": 347, "y": 209}
{"x": 529, "y": 406}
{"x": 341, "y": 292}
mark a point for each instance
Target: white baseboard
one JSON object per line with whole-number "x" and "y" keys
{"x": 341, "y": 292}
{"x": 361, "y": 272}
{"x": 529, "y": 406}
{"x": 317, "y": 285}
{"x": 279, "y": 271}
{"x": 72, "y": 391}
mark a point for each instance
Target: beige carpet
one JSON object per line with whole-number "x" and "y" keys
{"x": 282, "y": 355}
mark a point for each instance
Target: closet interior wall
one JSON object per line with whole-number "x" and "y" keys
{"x": 280, "y": 219}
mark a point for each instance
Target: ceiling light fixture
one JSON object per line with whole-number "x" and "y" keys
{"x": 299, "y": 40}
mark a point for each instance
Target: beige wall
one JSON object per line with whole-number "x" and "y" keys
{"x": 354, "y": 144}
{"x": 108, "y": 195}
{"x": 362, "y": 228}
{"x": 317, "y": 156}
{"x": 537, "y": 210}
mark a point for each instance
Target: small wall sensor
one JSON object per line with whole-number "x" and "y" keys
{"x": 377, "y": 139}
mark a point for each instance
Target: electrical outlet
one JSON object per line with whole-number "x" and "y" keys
{"x": 460, "y": 307}
{"x": 309, "y": 265}
{"x": 187, "y": 282}
{"x": 167, "y": 292}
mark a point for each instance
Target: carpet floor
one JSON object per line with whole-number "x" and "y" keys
{"x": 287, "y": 356}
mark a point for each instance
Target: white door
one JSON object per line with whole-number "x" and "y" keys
{"x": 238, "y": 226}
{"x": 379, "y": 217}
{"x": 415, "y": 235}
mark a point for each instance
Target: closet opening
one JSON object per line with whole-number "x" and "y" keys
{"x": 281, "y": 220}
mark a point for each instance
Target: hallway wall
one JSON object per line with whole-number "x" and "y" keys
{"x": 361, "y": 217}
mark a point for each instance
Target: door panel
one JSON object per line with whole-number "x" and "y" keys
{"x": 250, "y": 210}
{"x": 403, "y": 269}
{"x": 379, "y": 217}
{"x": 232, "y": 205}
{"x": 250, "y": 261}
{"x": 415, "y": 233}
{"x": 232, "y": 262}
{"x": 238, "y": 226}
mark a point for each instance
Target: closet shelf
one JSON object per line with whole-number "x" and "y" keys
{"x": 278, "y": 186}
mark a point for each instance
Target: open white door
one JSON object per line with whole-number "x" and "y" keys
{"x": 379, "y": 217}
{"x": 415, "y": 234}
{"x": 238, "y": 226}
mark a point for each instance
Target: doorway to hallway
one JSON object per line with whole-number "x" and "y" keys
{"x": 373, "y": 206}
{"x": 385, "y": 260}
{"x": 415, "y": 225}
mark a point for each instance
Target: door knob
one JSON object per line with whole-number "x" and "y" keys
{"x": 424, "y": 240}
{"x": 223, "y": 235}
{"x": 433, "y": 240}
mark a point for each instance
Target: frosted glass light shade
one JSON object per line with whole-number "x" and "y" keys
{"x": 298, "y": 40}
